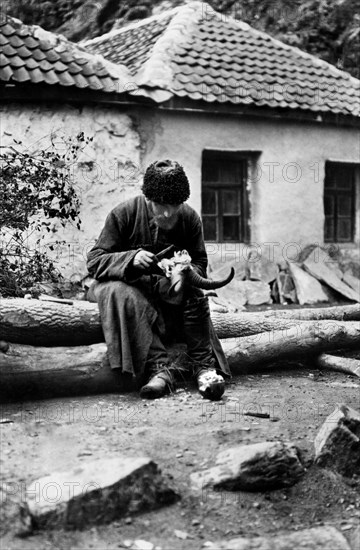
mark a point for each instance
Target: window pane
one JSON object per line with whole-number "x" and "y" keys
{"x": 344, "y": 177}
{"x": 329, "y": 205}
{"x": 209, "y": 224}
{"x": 231, "y": 228}
{"x": 339, "y": 176}
{"x": 344, "y": 230}
{"x": 209, "y": 202}
{"x": 344, "y": 205}
{"x": 210, "y": 171}
{"x": 225, "y": 208}
{"x": 344, "y": 183}
{"x": 329, "y": 179}
{"x": 329, "y": 230}
{"x": 228, "y": 172}
{"x": 339, "y": 202}
{"x": 230, "y": 202}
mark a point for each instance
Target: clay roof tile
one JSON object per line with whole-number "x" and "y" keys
{"x": 3, "y": 60}
{"x": 36, "y": 75}
{"x": 35, "y": 55}
{"x": 183, "y": 49}
{"x": 6, "y": 73}
{"x": 15, "y": 41}
{"x": 7, "y": 29}
{"x": 20, "y": 74}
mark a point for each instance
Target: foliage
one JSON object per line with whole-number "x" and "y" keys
{"x": 37, "y": 194}
{"x": 49, "y": 14}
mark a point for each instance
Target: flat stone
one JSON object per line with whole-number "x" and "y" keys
{"x": 239, "y": 293}
{"x": 219, "y": 266}
{"x": 337, "y": 444}
{"x": 234, "y": 293}
{"x": 353, "y": 282}
{"x": 257, "y": 292}
{"x": 321, "y": 256}
{"x": 308, "y": 289}
{"x": 94, "y": 493}
{"x": 330, "y": 278}
{"x": 262, "y": 270}
{"x": 325, "y": 537}
{"x": 257, "y": 467}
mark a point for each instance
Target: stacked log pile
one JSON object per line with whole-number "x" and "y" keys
{"x": 58, "y": 348}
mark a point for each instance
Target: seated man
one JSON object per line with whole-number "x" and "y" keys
{"x": 132, "y": 295}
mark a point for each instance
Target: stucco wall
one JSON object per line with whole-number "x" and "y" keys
{"x": 286, "y": 192}
{"x": 106, "y": 172}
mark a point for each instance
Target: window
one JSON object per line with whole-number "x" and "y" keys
{"x": 225, "y": 203}
{"x": 339, "y": 202}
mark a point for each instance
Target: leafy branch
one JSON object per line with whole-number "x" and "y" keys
{"x": 37, "y": 190}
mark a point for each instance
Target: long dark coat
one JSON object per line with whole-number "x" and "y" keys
{"x": 128, "y": 228}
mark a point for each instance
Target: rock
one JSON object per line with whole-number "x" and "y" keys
{"x": 317, "y": 538}
{"x": 257, "y": 293}
{"x": 181, "y": 534}
{"x": 239, "y": 293}
{"x": 95, "y": 492}
{"x": 322, "y": 256}
{"x": 262, "y": 270}
{"x": 234, "y": 293}
{"x": 283, "y": 289}
{"x": 220, "y": 265}
{"x": 329, "y": 277}
{"x": 257, "y": 467}
{"x": 337, "y": 444}
{"x": 308, "y": 289}
{"x": 352, "y": 281}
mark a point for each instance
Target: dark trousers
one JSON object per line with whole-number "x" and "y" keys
{"x": 137, "y": 325}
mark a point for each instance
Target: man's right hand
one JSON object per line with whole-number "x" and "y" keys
{"x": 144, "y": 259}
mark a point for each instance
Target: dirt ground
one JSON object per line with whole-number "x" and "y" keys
{"x": 183, "y": 433}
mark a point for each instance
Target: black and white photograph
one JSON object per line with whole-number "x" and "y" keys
{"x": 179, "y": 275}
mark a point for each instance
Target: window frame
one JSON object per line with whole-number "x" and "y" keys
{"x": 244, "y": 162}
{"x": 336, "y": 193}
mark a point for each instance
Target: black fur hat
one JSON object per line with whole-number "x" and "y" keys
{"x": 165, "y": 182}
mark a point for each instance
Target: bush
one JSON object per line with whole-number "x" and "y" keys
{"x": 36, "y": 190}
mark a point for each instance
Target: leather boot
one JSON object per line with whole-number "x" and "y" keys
{"x": 161, "y": 382}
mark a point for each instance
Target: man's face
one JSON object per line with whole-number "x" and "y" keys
{"x": 166, "y": 215}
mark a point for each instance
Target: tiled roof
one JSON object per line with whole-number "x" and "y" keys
{"x": 194, "y": 52}
{"x": 31, "y": 54}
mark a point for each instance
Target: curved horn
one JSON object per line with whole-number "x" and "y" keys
{"x": 197, "y": 281}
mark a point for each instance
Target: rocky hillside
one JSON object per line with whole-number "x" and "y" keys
{"x": 326, "y": 28}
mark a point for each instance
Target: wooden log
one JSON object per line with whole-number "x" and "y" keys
{"x": 334, "y": 313}
{"x": 342, "y": 364}
{"x": 40, "y": 323}
{"x": 304, "y": 339}
{"x": 27, "y": 371}
{"x": 48, "y": 323}
{"x": 85, "y": 369}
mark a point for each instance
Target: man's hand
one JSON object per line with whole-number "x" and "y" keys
{"x": 144, "y": 260}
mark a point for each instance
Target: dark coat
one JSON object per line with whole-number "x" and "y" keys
{"x": 128, "y": 228}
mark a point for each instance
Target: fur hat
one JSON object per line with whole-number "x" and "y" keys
{"x": 165, "y": 182}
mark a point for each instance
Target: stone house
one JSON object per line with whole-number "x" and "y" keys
{"x": 268, "y": 134}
